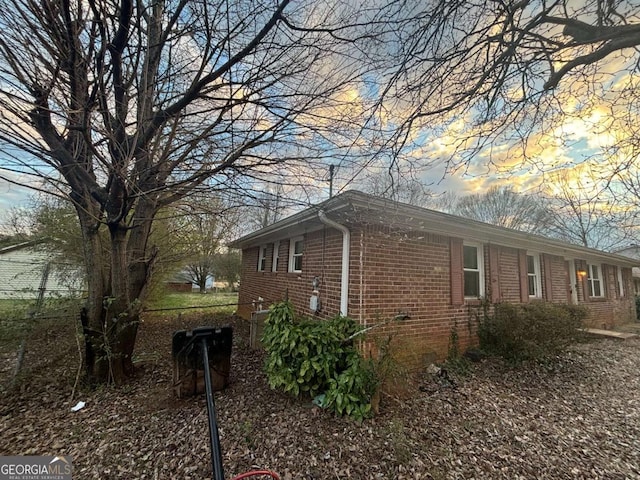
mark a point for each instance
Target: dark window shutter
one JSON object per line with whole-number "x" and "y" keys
{"x": 604, "y": 283}
{"x": 567, "y": 280}
{"x": 494, "y": 273}
{"x": 457, "y": 273}
{"x": 524, "y": 277}
{"x": 585, "y": 280}
{"x": 548, "y": 286}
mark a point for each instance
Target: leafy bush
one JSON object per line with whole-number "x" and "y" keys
{"x": 316, "y": 357}
{"x": 455, "y": 362}
{"x": 350, "y": 391}
{"x": 530, "y": 331}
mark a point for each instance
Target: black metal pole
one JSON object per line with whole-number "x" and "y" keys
{"x": 216, "y": 452}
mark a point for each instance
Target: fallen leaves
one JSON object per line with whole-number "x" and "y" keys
{"x": 575, "y": 418}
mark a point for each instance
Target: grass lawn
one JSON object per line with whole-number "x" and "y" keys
{"x": 13, "y": 322}
{"x": 16, "y": 323}
{"x": 17, "y": 319}
{"x": 172, "y": 302}
{"x": 11, "y": 307}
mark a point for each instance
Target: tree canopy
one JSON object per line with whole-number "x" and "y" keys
{"x": 124, "y": 108}
{"x": 492, "y": 86}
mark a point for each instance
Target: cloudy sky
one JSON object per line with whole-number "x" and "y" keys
{"x": 596, "y": 121}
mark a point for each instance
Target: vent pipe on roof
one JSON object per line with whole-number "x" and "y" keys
{"x": 344, "y": 279}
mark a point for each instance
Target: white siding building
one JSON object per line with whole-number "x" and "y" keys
{"x": 25, "y": 270}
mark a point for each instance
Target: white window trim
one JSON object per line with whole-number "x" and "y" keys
{"x": 620, "y": 282}
{"x": 292, "y": 244}
{"x": 480, "y": 253}
{"x": 590, "y": 279}
{"x": 537, "y": 272}
{"x": 276, "y": 256}
{"x": 262, "y": 258}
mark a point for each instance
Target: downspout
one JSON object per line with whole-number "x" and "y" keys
{"x": 346, "y": 241}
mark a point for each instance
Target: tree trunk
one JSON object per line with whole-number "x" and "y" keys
{"x": 117, "y": 277}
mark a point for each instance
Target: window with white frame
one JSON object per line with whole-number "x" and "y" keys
{"x": 276, "y": 256}
{"x": 533, "y": 274}
{"x": 620, "y": 282}
{"x": 473, "y": 264}
{"x": 296, "y": 248}
{"x": 595, "y": 280}
{"x": 262, "y": 258}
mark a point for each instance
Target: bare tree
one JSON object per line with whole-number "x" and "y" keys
{"x": 504, "y": 207}
{"x": 398, "y": 187}
{"x": 493, "y": 76}
{"x": 18, "y": 223}
{"x": 200, "y": 225}
{"x": 227, "y": 265}
{"x": 582, "y": 213}
{"x": 265, "y": 208}
{"x": 126, "y": 107}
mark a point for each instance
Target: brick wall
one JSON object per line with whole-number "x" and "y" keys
{"x": 402, "y": 272}
{"x": 555, "y": 278}
{"x": 508, "y": 274}
{"x": 322, "y": 257}
{"x": 612, "y": 309}
{"x": 409, "y": 273}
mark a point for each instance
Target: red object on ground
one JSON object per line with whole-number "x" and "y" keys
{"x": 255, "y": 473}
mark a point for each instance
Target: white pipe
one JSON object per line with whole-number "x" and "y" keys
{"x": 346, "y": 242}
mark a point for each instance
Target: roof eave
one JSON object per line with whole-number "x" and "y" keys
{"x": 304, "y": 221}
{"x": 429, "y": 221}
{"x": 473, "y": 230}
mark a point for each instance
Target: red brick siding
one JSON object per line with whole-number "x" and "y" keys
{"x": 610, "y": 310}
{"x": 322, "y": 258}
{"x": 493, "y": 287}
{"x": 394, "y": 272}
{"x": 411, "y": 273}
{"x": 456, "y": 269}
{"x": 509, "y": 274}
{"x": 546, "y": 263}
{"x": 178, "y": 286}
{"x": 556, "y": 267}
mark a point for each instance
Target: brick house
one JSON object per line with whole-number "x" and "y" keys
{"x": 372, "y": 259}
{"x": 633, "y": 251}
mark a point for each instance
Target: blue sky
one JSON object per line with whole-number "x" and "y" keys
{"x": 13, "y": 196}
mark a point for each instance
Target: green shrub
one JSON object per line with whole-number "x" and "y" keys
{"x": 350, "y": 391}
{"x": 455, "y": 362}
{"x": 316, "y": 357}
{"x": 530, "y": 331}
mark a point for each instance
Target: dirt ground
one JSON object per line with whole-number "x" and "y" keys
{"x": 577, "y": 417}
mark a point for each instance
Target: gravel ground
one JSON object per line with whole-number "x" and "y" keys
{"x": 577, "y": 417}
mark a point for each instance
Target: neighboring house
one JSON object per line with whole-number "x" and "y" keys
{"x": 372, "y": 259}
{"x": 633, "y": 251}
{"x": 183, "y": 282}
{"x": 180, "y": 282}
{"x": 26, "y": 270}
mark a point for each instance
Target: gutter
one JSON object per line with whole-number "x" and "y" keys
{"x": 346, "y": 242}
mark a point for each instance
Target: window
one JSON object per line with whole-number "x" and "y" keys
{"x": 276, "y": 253}
{"x": 620, "y": 282}
{"x": 533, "y": 274}
{"x": 473, "y": 263}
{"x": 296, "y": 248}
{"x": 262, "y": 258}
{"x": 595, "y": 281}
